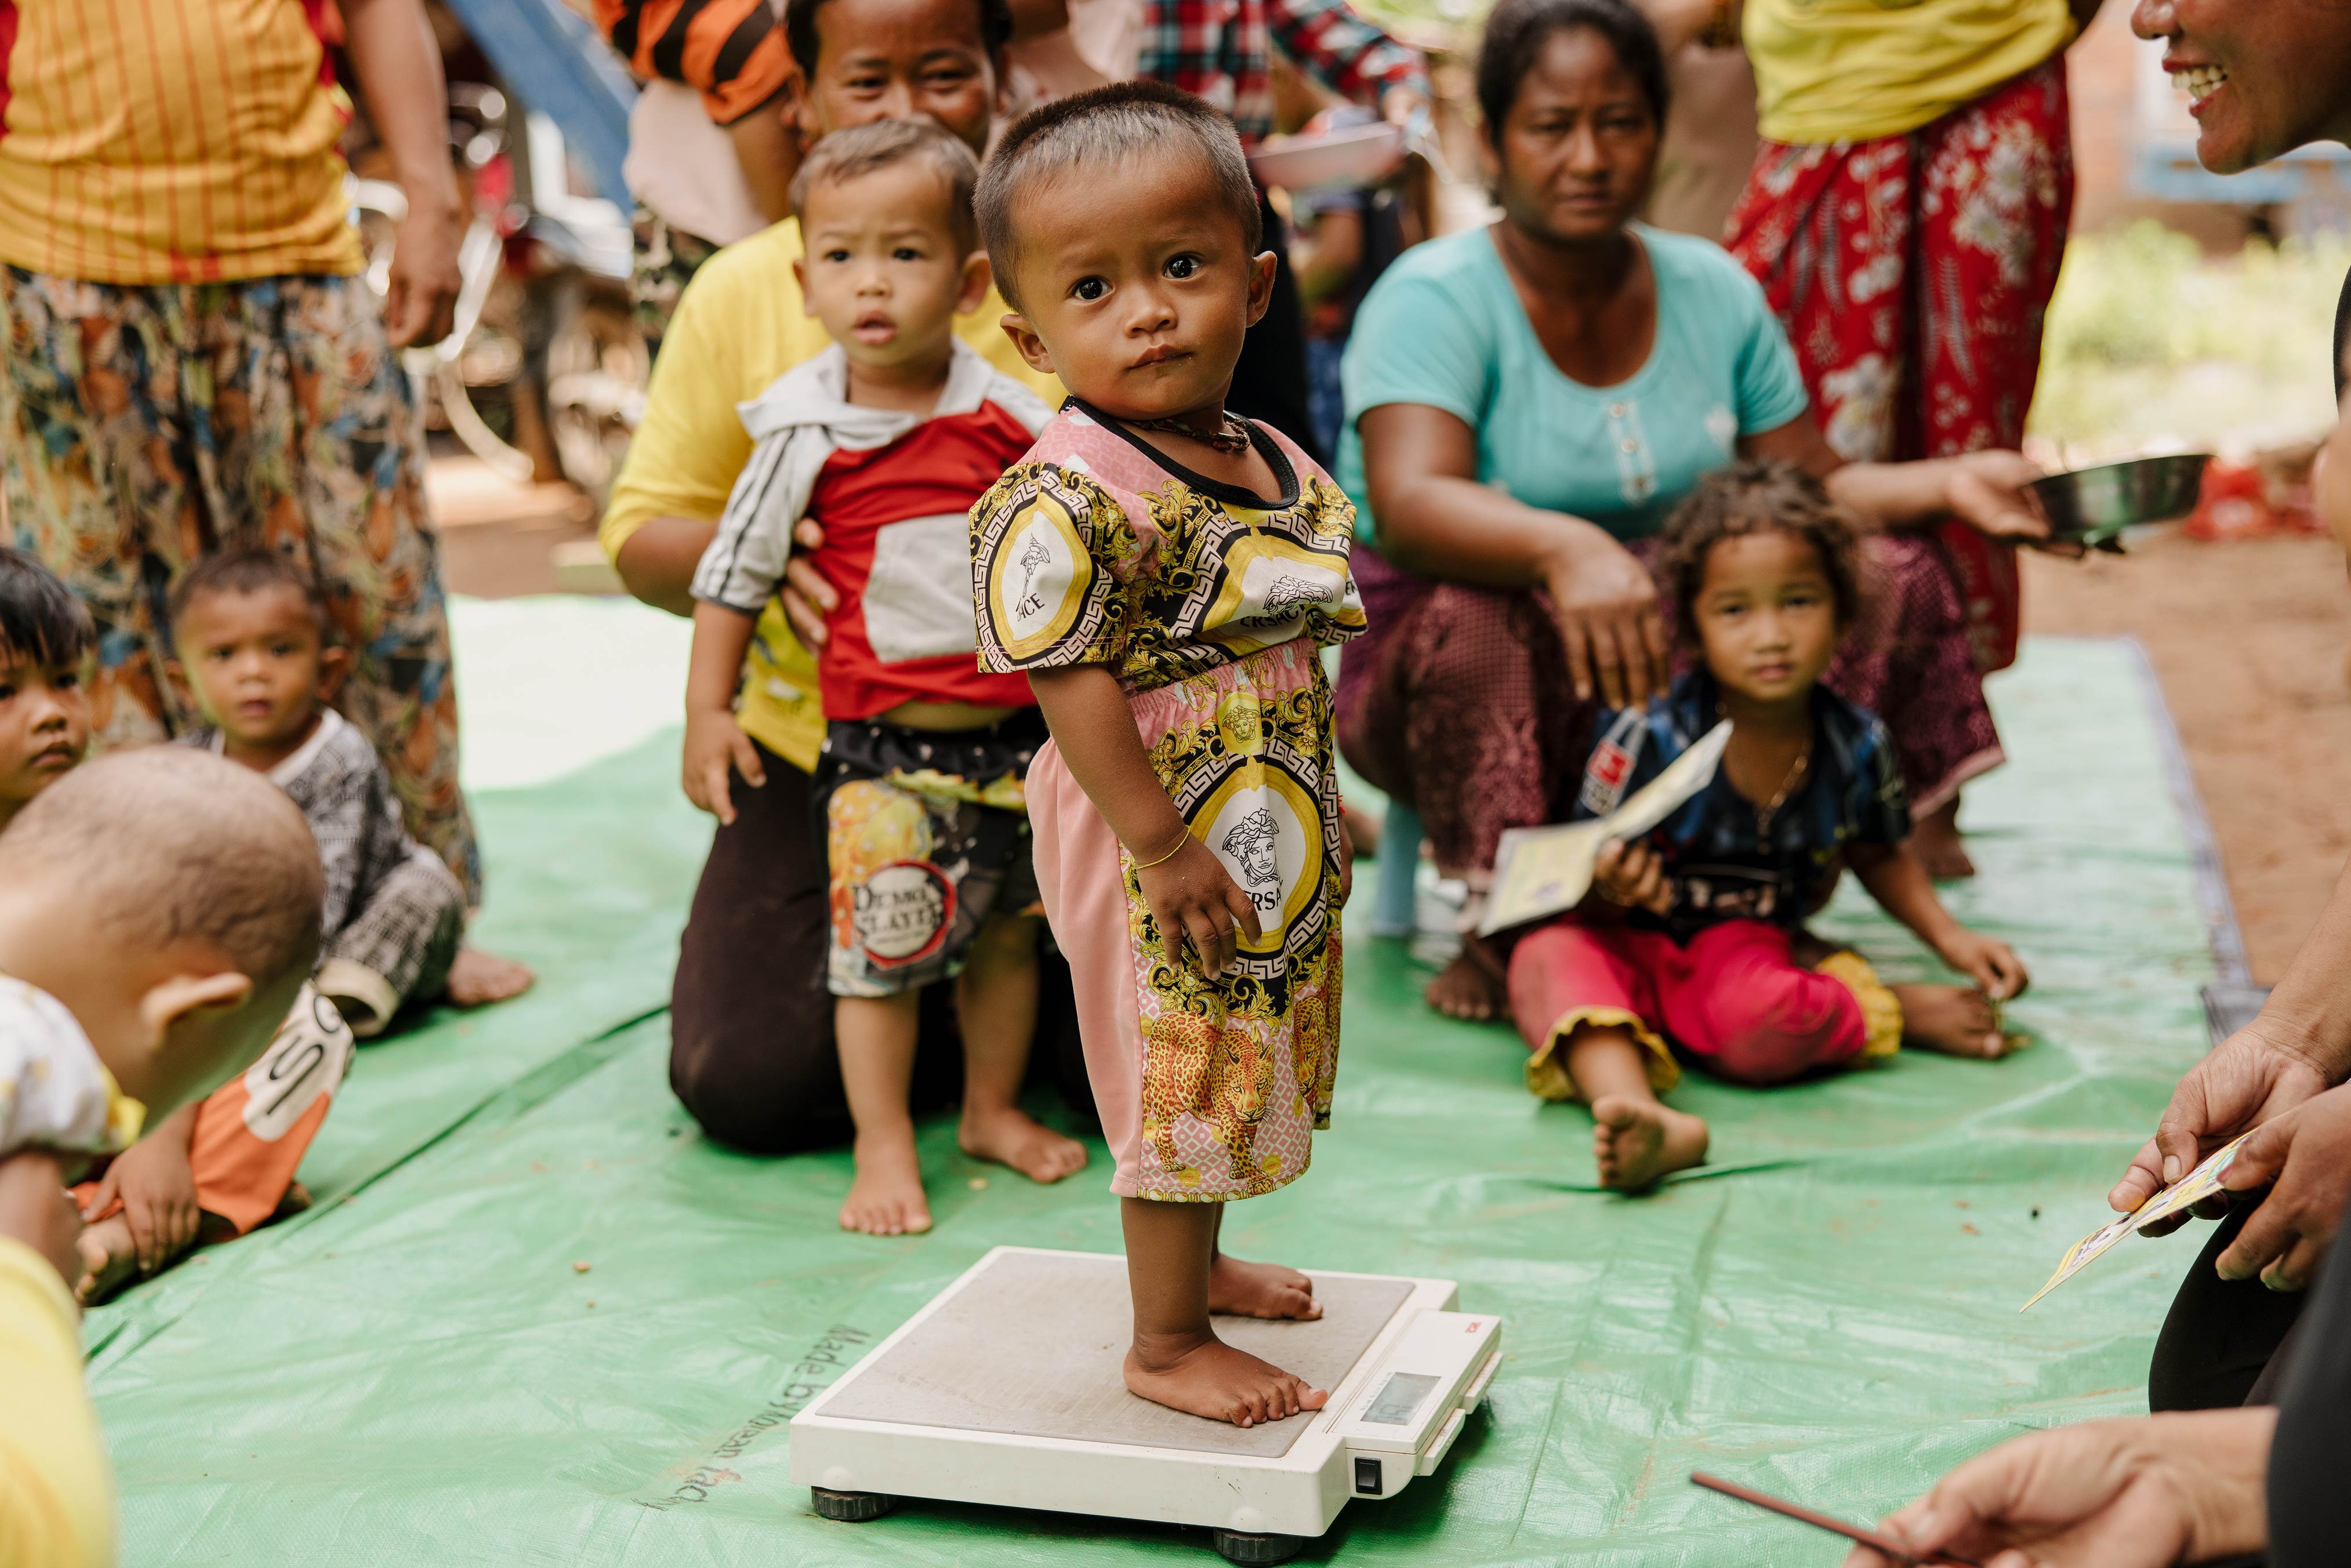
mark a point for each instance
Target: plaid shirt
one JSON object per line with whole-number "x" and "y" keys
{"x": 1217, "y": 48}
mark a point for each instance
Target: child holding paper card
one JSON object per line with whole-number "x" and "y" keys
{"x": 1694, "y": 932}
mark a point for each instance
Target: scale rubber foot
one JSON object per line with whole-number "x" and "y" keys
{"x": 1245, "y": 1546}
{"x": 858, "y": 1507}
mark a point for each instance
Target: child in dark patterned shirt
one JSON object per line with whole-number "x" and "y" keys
{"x": 1695, "y": 933}
{"x": 251, "y": 635}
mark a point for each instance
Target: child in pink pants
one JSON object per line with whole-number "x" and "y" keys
{"x": 1693, "y": 938}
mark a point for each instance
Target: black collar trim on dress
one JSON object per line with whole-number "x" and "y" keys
{"x": 1215, "y": 489}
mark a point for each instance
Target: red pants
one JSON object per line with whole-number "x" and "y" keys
{"x": 1735, "y": 998}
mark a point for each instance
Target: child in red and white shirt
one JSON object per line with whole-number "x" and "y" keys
{"x": 883, "y": 442}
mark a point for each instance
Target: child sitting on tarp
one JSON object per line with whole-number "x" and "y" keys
{"x": 250, "y": 630}
{"x": 217, "y": 1167}
{"x": 159, "y": 913}
{"x": 1695, "y": 934}
{"x": 883, "y": 442}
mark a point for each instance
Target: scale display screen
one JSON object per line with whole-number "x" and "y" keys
{"x": 1398, "y": 1398}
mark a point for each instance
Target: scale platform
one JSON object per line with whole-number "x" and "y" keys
{"x": 1007, "y": 1389}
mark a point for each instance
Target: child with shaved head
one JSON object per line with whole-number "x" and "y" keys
{"x": 1167, "y": 573}
{"x": 158, "y": 913}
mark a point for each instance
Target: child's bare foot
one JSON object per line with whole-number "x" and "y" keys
{"x": 1259, "y": 1290}
{"x": 1202, "y": 1376}
{"x": 887, "y": 1199}
{"x": 1637, "y": 1143}
{"x": 1010, "y": 1136}
{"x": 110, "y": 1260}
{"x": 1935, "y": 839}
{"x": 1472, "y": 987}
{"x": 478, "y": 978}
{"x": 1956, "y": 1020}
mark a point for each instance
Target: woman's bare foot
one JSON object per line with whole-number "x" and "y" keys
{"x": 1202, "y": 1375}
{"x": 1473, "y": 987}
{"x": 1010, "y": 1136}
{"x": 1935, "y": 839}
{"x": 478, "y": 978}
{"x": 1637, "y": 1143}
{"x": 1259, "y": 1290}
{"x": 887, "y": 1199}
{"x": 110, "y": 1260}
{"x": 1956, "y": 1020}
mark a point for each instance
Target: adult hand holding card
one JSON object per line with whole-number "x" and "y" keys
{"x": 2189, "y": 1190}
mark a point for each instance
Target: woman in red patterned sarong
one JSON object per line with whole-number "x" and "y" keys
{"x": 1907, "y": 216}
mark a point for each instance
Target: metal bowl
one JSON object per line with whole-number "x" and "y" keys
{"x": 2093, "y": 506}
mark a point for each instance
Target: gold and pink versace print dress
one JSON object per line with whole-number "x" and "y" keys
{"x": 1211, "y": 606}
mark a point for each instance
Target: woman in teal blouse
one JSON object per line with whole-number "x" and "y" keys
{"x": 1525, "y": 404}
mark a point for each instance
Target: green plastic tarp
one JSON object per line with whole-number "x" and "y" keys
{"x": 420, "y": 1371}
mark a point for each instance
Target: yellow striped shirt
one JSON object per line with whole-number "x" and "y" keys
{"x": 148, "y": 142}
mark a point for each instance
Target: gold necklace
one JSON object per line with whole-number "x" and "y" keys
{"x": 1765, "y": 812}
{"x": 1232, "y": 436}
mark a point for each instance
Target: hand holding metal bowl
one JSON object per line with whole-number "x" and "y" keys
{"x": 2092, "y": 507}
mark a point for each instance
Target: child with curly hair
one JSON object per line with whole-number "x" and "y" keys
{"x": 1694, "y": 934}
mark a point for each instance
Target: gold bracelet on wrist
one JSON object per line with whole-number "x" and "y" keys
{"x": 1181, "y": 839}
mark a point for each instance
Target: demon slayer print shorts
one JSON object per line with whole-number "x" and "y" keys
{"x": 927, "y": 833}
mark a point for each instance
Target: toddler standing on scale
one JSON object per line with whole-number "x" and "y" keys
{"x": 1167, "y": 573}
{"x": 881, "y": 442}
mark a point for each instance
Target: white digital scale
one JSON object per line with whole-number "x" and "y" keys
{"x": 1007, "y": 1389}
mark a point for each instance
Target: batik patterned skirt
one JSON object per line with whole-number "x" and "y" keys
{"x": 1913, "y": 273}
{"x": 1209, "y": 1090}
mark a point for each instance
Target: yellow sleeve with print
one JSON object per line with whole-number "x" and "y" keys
{"x": 1039, "y": 544}
{"x": 740, "y": 324}
{"x": 56, "y": 1488}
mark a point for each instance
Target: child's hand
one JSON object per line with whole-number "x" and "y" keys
{"x": 1195, "y": 900}
{"x": 158, "y": 1191}
{"x": 1633, "y": 875}
{"x": 715, "y": 744}
{"x": 1991, "y": 964}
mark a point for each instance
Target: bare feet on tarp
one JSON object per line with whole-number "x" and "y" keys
{"x": 887, "y": 1199}
{"x": 1473, "y": 987}
{"x": 1935, "y": 839}
{"x": 478, "y": 978}
{"x": 1259, "y": 1290}
{"x": 1010, "y": 1136}
{"x": 1202, "y": 1376}
{"x": 1956, "y": 1020}
{"x": 1637, "y": 1143}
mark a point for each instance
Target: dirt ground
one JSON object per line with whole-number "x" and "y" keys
{"x": 2251, "y": 641}
{"x": 2252, "y": 644}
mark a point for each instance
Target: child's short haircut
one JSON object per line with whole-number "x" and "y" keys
{"x": 252, "y": 570}
{"x": 800, "y": 35}
{"x": 1752, "y": 497}
{"x": 176, "y": 844}
{"x": 41, "y": 619}
{"x": 1108, "y": 125}
{"x": 862, "y": 150}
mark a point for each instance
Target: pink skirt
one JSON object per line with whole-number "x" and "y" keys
{"x": 1208, "y": 1089}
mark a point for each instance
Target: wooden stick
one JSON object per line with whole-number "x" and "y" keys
{"x": 1885, "y": 1544}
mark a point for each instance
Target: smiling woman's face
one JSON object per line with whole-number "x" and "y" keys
{"x": 2263, "y": 77}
